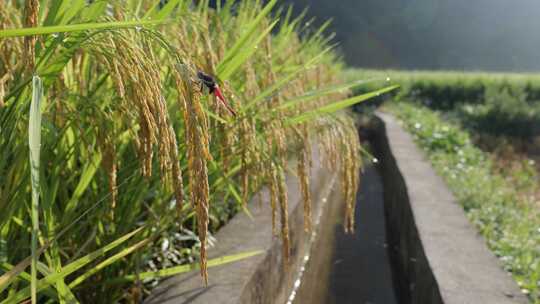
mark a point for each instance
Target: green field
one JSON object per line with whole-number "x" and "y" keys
{"x": 119, "y": 159}
{"x": 501, "y": 111}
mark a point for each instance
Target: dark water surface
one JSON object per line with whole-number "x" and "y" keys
{"x": 354, "y": 268}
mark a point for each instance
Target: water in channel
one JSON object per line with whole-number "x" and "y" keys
{"x": 347, "y": 269}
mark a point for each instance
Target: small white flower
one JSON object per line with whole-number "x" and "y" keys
{"x": 165, "y": 245}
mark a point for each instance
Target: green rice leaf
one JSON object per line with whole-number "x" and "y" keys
{"x": 243, "y": 40}
{"x": 244, "y": 54}
{"x": 94, "y": 10}
{"x": 108, "y": 262}
{"x": 26, "y": 277}
{"x": 166, "y": 10}
{"x": 186, "y": 268}
{"x": 70, "y": 10}
{"x": 43, "y": 30}
{"x": 17, "y": 270}
{"x": 339, "y": 105}
{"x": 323, "y": 92}
{"x": 276, "y": 86}
{"x": 86, "y": 177}
{"x": 70, "y": 268}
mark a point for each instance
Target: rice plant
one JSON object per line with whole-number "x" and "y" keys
{"x": 139, "y": 158}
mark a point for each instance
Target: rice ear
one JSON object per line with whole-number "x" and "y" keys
{"x": 197, "y": 143}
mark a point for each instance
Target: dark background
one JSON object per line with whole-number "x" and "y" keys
{"x": 496, "y": 35}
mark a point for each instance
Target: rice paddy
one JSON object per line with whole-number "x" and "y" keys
{"x": 118, "y": 162}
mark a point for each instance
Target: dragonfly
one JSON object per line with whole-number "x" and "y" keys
{"x": 213, "y": 88}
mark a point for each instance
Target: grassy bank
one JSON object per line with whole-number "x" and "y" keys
{"x": 481, "y": 131}
{"x": 133, "y": 161}
{"x": 502, "y": 200}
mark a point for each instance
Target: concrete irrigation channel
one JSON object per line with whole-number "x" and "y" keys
{"x": 413, "y": 243}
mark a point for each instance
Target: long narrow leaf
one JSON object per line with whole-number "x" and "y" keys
{"x": 241, "y": 43}
{"x": 14, "y": 272}
{"x": 166, "y": 10}
{"x": 323, "y": 92}
{"x": 70, "y": 268}
{"x": 108, "y": 262}
{"x": 34, "y": 139}
{"x": 333, "y": 107}
{"x": 26, "y": 277}
{"x": 185, "y": 268}
{"x": 86, "y": 177}
{"x": 75, "y": 28}
{"x": 245, "y": 54}
{"x": 272, "y": 89}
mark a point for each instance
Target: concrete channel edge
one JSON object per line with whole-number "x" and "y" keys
{"x": 437, "y": 254}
